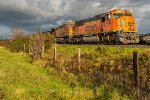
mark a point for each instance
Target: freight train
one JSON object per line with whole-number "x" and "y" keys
{"x": 113, "y": 27}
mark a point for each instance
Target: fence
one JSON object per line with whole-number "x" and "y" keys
{"x": 124, "y": 73}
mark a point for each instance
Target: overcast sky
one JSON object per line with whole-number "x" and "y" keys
{"x": 28, "y": 14}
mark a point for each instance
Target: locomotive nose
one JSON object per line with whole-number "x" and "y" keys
{"x": 127, "y": 23}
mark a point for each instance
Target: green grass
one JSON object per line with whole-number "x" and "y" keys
{"x": 104, "y": 51}
{"x": 70, "y": 49}
{"x": 102, "y": 59}
{"x": 21, "y": 80}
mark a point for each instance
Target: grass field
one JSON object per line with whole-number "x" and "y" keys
{"x": 70, "y": 50}
{"x": 100, "y": 65}
{"x": 21, "y": 80}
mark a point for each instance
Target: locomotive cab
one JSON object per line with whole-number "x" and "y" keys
{"x": 70, "y": 27}
{"x": 125, "y": 25}
{"x": 126, "y": 22}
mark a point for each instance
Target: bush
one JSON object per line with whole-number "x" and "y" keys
{"x": 17, "y": 45}
{"x": 49, "y": 40}
{"x": 37, "y": 41}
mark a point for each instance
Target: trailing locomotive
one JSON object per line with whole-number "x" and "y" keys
{"x": 116, "y": 26}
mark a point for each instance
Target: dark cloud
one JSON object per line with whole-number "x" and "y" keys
{"x": 28, "y": 14}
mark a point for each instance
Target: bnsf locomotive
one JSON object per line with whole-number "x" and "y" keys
{"x": 116, "y": 26}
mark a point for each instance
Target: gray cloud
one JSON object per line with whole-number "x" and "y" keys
{"x": 28, "y": 14}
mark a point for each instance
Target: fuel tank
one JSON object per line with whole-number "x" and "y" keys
{"x": 90, "y": 38}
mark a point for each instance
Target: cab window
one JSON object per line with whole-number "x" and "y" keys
{"x": 70, "y": 25}
{"x": 117, "y": 15}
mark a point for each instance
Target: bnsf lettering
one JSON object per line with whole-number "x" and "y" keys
{"x": 90, "y": 28}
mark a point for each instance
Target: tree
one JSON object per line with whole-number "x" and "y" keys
{"x": 36, "y": 42}
{"x": 16, "y": 33}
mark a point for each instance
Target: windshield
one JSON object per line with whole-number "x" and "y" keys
{"x": 70, "y": 25}
{"x": 117, "y": 15}
{"x": 128, "y": 14}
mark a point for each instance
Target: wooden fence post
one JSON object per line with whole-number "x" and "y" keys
{"x": 79, "y": 58}
{"x": 42, "y": 53}
{"x": 55, "y": 54}
{"x": 29, "y": 49}
{"x": 135, "y": 68}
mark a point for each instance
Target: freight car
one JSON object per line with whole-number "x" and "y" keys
{"x": 145, "y": 38}
{"x": 116, "y": 26}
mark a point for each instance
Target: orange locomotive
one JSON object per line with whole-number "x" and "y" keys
{"x": 62, "y": 33}
{"x": 116, "y": 26}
